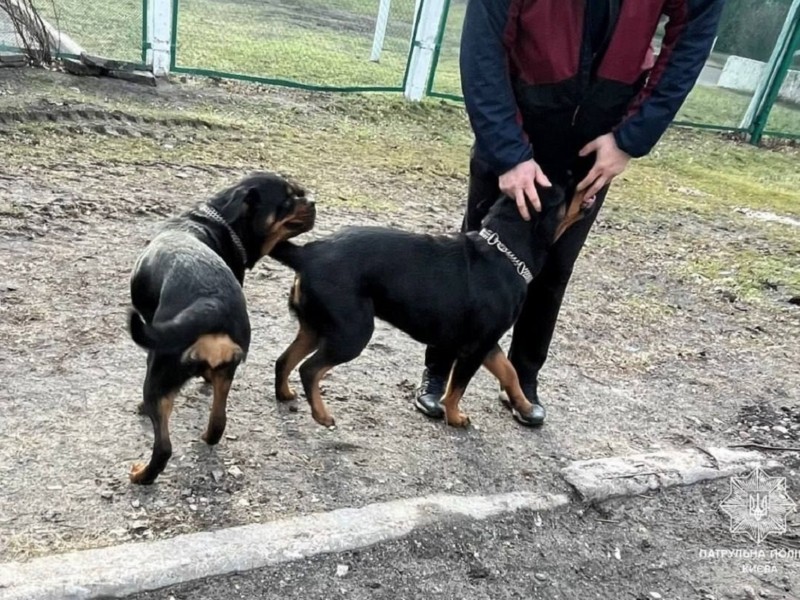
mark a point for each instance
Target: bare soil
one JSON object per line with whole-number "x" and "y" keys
{"x": 643, "y": 358}
{"x": 663, "y": 545}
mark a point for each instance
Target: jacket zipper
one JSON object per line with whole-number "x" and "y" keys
{"x": 612, "y": 15}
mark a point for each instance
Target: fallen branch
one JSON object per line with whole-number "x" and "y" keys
{"x": 763, "y": 447}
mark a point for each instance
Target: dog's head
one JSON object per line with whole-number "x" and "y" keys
{"x": 562, "y": 207}
{"x": 265, "y": 209}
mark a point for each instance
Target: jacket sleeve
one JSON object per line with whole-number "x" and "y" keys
{"x": 685, "y": 48}
{"x": 486, "y": 85}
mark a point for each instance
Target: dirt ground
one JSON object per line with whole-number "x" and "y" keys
{"x": 644, "y": 358}
{"x": 661, "y": 545}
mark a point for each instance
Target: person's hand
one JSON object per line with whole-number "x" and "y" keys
{"x": 518, "y": 184}
{"x": 610, "y": 162}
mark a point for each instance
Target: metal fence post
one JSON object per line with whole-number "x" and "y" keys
{"x": 423, "y": 47}
{"x": 791, "y": 44}
{"x": 771, "y": 71}
{"x": 159, "y": 33}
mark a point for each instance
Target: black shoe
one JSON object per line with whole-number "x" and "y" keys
{"x": 428, "y": 399}
{"x": 538, "y": 413}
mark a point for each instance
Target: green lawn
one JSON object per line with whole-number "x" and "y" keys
{"x": 111, "y": 29}
{"x": 314, "y": 43}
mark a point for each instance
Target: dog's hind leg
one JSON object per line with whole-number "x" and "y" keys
{"x": 498, "y": 365}
{"x": 221, "y": 380}
{"x": 161, "y": 386}
{"x": 304, "y": 344}
{"x": 338, "y": 348}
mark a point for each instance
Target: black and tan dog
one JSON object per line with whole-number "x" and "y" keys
{"x": 189, "y": 308}
{"x": 458, "y": 292}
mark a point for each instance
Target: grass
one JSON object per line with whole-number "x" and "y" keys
{"x": 325, "y": 44}
{"x": 269, "y": 40}
{"x": 111, "y": 29}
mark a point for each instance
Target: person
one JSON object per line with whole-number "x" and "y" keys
{"x": 557, "y": 89}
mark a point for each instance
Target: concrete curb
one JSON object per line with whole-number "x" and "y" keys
{"x": 132, "y": 568}
{"x": 137, "y": 567}
{"x": 604, "y": 478}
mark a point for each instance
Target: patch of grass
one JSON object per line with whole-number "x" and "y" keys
{"x": 749, "y": 273}
{"x": 111, "y": 29}
{"x": 311, "y": 44}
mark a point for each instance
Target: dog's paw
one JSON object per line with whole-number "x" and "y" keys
{"x": 324, "y": 419}
{"x": 287, "y": 395}
{"x": 138, "y": 472}
{"x": 459, "y": 419}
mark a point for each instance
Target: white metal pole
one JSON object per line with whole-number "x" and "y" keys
{"x": 423, "y": 47}
{"x": 380, "y": 29}
{"x": 159, "y": 34}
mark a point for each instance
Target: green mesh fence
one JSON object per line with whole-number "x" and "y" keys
{"x": 726, "y": 85}
{"x": 310, "y": 43}
{"x": 109, "y": 29}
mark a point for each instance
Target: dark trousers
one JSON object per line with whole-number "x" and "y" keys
{"x": 533, "y": 330}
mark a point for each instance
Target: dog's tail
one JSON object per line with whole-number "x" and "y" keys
{"x": 177, "y": 334}
{"x": 288, "y": 254}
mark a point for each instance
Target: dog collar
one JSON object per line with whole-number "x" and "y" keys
{"x": 218, "y": 218}
{"x": 494, "y": 240}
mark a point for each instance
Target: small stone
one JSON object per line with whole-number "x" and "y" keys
{"x": 107, "y": 495}
{"x": 655, "y": 596}
{"x": 138, "y": 525}
{"x": 135, "y": 503}
{"x": 617, "y": 554}
{"x": 342, "y": 570}
{"x": 193, "y": 507}
{"x": 243, "y": 502}
{"x": 217, "y": 475}
{"x": 186, "y": 492}
{"x": 749, "y": 592}
{"x": 235, "y": 471}
{"x": 232, "y": 438}
{"x": 540, "y": 576}
{"x": 780, "y": 429}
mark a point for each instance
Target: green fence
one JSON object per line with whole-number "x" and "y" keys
{"x": 365, "y": 45}
{"x": 723, "y": 93}
{"x": 318, "y": 44}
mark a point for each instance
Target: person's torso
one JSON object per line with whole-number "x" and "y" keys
{"x": 576, "y": 65}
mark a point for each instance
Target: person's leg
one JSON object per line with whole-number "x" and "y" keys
{"x": 534, "y": 329}
{"x": 483, "y": 192}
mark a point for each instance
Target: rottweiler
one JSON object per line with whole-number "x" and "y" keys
{"x": 460, "y": 292}
{"x": 189, "y": 309}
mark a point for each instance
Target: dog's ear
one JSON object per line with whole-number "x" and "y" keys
{"x": 236, "y": 201}
{"x": 572, "y": 212}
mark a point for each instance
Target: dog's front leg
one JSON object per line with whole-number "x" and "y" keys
{"x": 461, "y": 374}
